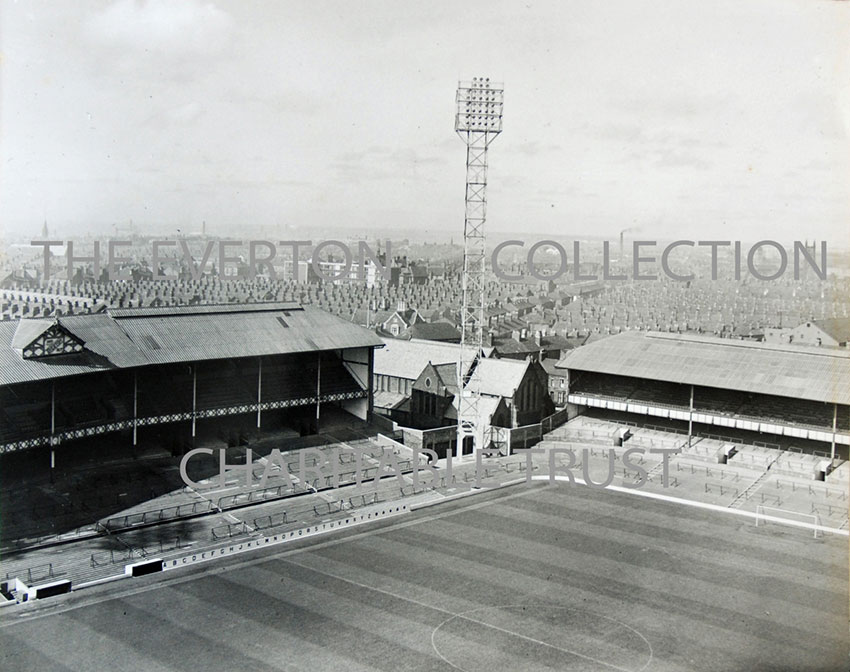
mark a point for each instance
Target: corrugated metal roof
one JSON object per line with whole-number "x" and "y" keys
{"x": 138, "y": 337}
{"x": 28, "y": 331}
{"x": 104, "y": 336}
{"x": 817, "y": 375}
{"x": 203, "y": 309}
{"x": 384, "y": 399}
{"x": 242, "y": 334}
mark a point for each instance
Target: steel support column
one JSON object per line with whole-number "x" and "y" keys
{"x": 194, "y": 397}
{"x": 260, "y": 393}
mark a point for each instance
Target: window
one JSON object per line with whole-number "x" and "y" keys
{"x": 394, "y": 329}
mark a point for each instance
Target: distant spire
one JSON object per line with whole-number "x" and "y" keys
{"x": 44, "y": 234}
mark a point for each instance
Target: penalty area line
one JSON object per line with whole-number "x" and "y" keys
{"x": 690, "y": 502}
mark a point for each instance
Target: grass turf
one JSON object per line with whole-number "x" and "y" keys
{"x": 528, "y": 578}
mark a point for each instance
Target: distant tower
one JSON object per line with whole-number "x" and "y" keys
{"x": 478, "y": 120}
{"x": 44, "y": 234}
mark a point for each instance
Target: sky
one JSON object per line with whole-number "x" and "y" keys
{"x": 727, "y": 119}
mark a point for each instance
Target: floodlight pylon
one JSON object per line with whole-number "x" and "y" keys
{"x": 478, "y": 121}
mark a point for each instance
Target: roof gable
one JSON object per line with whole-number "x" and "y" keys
{"x": 126, "y": 338}
{"x": 29, "y": 330}
{"x": 44, "y": 338}
{"x": 431, "y": 381}
{"x": 836, "y": 327}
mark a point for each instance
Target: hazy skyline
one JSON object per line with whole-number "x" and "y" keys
{"x": 728, "y": 119}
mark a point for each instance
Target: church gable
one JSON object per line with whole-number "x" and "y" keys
{"x": 52, "y": 340}
{"x": 427, "y": 380}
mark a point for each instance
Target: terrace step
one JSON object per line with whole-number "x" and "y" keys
{"x": 744, "y": 495}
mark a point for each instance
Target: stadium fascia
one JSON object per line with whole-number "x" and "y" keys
{"x": 326, "y": 468}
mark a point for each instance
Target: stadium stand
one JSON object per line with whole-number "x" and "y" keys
{"x": 72, "y": 377}
{"x": 770, "y": 389}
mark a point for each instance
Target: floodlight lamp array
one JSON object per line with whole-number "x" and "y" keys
{"x": 479, "y": 106}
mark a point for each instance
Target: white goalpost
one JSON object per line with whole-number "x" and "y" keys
{"x": 814, "y": 525}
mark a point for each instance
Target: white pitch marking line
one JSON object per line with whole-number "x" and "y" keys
{"x": 690, "y": 502}
{"x": 453, "y": 615}
{"x": 540, "y": 642}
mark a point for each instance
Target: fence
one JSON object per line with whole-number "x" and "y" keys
{"x": 523, "y": 437}
{"x": 439, "y": 439}
{"x": 516, "y": 438}
{"x": 274, "y": 520}
{"x": 229, "y": 530}
{"x": 156, "y": 515}
{"x": 340, "y": 505}
{"x": 820, "y": 492}
{"x": 124, "y": 555}
{"x": 386, "y": 424}
{"x": 557, "y": 419}
{"x": 326, "y": 508}
{"x": 35, "y": 573}
{"x": 30, "y": 542}
{"x": 442, "y": 439}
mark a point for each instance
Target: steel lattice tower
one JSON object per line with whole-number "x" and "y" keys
{"x": 478, "y": 120}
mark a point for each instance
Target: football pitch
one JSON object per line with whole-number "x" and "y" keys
{"x": 522, "y": 579}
